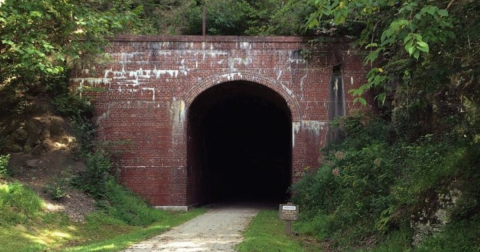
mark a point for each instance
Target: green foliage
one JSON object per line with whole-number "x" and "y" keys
{"x": 31, "y": 51}
{"x": 26, "y": 226}
{"x": 370, "y": 186}
{"x": 313, "y": 226}
{"x": 460, "y": 236}
{"x": 57, "y": 187}
{"x": 229, "y": 17}
{"x": 273, "y": 17}
{"x": 225, "y": 17}
{"x": 95, "y": 179}
{"x": 73, "y": 106}
{"x": 423, "y": 50}
{"x": 395, "y": 241}
{"x": 119, "y": 242}
{"x": 18, "y": 205}
{"x": 123, "y": 205}
{"x": 80, "y": 111}
{"x": 4, "y": 172}
{"x": 266, "y": 233}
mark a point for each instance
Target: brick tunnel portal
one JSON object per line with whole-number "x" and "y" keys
{"x": 239, "y": 144}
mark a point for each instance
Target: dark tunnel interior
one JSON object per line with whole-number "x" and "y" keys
{"x": 239, "y": 145}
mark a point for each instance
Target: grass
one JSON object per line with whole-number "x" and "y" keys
{"x": 25, "y": 226}
{"x": 266, "y": 233}
{"x": 122, "y": 241}
{"x": 458, "y": 236}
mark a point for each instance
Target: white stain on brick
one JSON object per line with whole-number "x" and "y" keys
{"x": 245, "y": 46}
{"x": 279, "y": 74}
{"x": 140, "y": 73}
{"x": 104, "y": 115}
{"x": 177, "y": 111}
{"x": 232, "y": 76}
{"x": 90, "y": 81}
{"x": 233, "y": 62}
{"x": 314, "y": 127}
{"x": 289, "y": 91}
{"x": 295, "y": 130}
{"x": 296, "y": 60}
{"x": 128, "y": 57}
{"x": 310, "y": 126}
{"x": 158, "y": 73}
{"x": 152, "y": 90}
{"x": 183, "y": 68}
{"x": 301, "y": 85}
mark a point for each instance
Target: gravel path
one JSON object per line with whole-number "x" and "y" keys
{"x": 220, "y": 229}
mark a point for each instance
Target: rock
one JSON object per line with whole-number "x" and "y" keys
{"x": 19, "y": 136}
{"x": 14, "y": 148}
{"x": 64, "y": 140}
{"x": 56, "y": 126}
{"x": 27, "y": 148}
{"x": 33, "y": 163}
{"x": 41, "y": 148}
{"x": 34, "y": 127}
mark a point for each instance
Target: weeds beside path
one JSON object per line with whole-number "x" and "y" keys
{"x": 266, "y": 233}
{"x": 122, "y": 241}
{"x": 27, "y": 225}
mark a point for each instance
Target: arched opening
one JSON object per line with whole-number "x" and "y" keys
{"x": 239, "y": 144}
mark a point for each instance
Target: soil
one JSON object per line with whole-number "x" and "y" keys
{"x": 40, "y": 145}
{"x": 38, "y": 171}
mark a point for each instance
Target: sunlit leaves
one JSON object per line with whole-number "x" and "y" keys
{"x": 41, "y": 37}
{"x": 393, "y": 30}
{"x": 414, "y": 45}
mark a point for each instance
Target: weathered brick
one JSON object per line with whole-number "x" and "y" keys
{"x": 152, "y": 81}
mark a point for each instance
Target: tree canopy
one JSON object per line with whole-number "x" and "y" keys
{"x": 426, "y": 50}
{"x": 42, "y": 38}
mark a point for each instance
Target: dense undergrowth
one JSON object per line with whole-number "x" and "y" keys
{"x": 378, "y": 192}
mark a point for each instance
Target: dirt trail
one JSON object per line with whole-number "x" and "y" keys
{"x": 220, "y": 229}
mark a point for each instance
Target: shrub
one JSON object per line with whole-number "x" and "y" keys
{"x": 369, "y": 187}
{"x": 80, "y": 111}
{"x": 56, "y": 188}
{"x": 94, "y": 179}
{"x": 4, "y": 172}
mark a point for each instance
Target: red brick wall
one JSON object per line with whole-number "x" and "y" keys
{"x": 152, "y": 80}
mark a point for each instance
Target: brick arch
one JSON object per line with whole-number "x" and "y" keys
{"x": 209, "y": 82}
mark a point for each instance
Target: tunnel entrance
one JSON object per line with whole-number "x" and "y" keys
{"x": 239, "y": 144}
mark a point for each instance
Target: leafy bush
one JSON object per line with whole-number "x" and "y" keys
{"x": 80, "y": 111}
{"x": 84, "y": 130}
{"x": 56, "y": 191}
{"x": 72, "y": 105}
{"x": 370, "y": 187}
{"x": 57, "y": 186}
{"x": 225, "y": 17}
{"x": 459, "y": 236}
{"x": 94, "y": 179}
{"x": 4, "y": 172}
